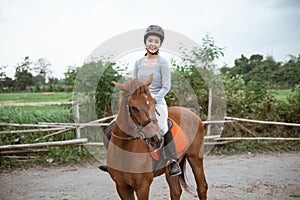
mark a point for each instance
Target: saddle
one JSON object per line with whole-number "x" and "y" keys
{"x": 178, "y": 134}
{"x": 179, "y": 138}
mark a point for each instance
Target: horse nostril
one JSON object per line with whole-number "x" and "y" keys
{"x": 152, "y": 139}
{"x": 155, "y": 142}
{"x": 158, "y": 140}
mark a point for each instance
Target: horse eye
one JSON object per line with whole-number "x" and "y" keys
{"x": 135, "y": 109}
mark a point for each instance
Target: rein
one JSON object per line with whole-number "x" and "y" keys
{"x": 126, "y": 138}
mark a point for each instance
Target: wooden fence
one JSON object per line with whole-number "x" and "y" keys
{"x": 60, "y": 128}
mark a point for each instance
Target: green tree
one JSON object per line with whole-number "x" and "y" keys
{"x": 2, "y": 78}
{"x": 293, "y": 114}
{"x": 203, "y": 57}
{"x": 23, "y": 76}
{"x": 6, "y": 83}
{"x": 57, "y": 85}
{"x": 289, "y": 72}
{"x": 70, "y": 75}
{"x": 93, "y": 87}
{"x": 105, "y": 89}
{"x": 42, "y": 68}
{"x": 198, "y": 68}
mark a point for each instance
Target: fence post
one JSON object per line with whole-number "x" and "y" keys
{"x": 1, "y": 159}
{"x": 77, "y": 122}
{"x": 209, "y": 110}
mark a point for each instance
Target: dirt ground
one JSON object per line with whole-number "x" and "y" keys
{"x": 247, "y": 176}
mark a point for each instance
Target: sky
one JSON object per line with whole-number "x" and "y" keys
{"x": 66, "y": 32}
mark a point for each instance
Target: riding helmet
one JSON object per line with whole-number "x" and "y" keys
{"x": 154, "y": 30}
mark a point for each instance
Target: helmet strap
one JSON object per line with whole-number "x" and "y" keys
{"x": 155, "y": 53}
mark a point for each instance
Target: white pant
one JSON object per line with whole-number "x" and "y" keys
{"x": 162, "y": 116}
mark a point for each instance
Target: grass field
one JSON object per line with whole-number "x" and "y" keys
{"x": 67, "y": 96}
{"x": 7, "y": 98}
{"x": 35, "y": 97}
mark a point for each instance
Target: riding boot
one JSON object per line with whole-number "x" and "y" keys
{"x": 170, "y": 154}
{"x": 103, "y": 168}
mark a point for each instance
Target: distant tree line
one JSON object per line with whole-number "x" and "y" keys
{"x": 25, "y": 80}
{"x": 274, "y": 75}
{"x": 266, "y": 71}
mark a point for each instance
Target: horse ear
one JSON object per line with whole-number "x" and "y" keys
{"x": 149, "y": 79}
{"x": 121, "y": 87}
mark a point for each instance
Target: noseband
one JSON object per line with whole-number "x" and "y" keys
{"x": 133, "y": 124}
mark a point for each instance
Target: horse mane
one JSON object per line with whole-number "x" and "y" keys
{"x": 137, "y": 87}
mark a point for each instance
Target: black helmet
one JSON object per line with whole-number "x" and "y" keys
{"x": 154, "y": 30}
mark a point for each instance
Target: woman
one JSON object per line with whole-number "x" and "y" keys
{"x": 154, "y": 64}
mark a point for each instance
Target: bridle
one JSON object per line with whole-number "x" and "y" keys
{"x": 133, "y": 124}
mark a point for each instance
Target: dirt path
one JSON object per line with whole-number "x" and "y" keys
{"x": 251, "y": 176}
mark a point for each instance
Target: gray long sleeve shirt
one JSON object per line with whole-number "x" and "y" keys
{"x": 161, "y": 71}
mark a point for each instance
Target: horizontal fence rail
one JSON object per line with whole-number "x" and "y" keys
{"x": 45, "y": 144}
{"x": 261, "y": 122}
{"x": 54, "y": 103}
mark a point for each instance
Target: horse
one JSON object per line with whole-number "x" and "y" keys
{"x": 136, "y": 131}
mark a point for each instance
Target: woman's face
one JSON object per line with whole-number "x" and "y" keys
{"x": 153, "y": 43}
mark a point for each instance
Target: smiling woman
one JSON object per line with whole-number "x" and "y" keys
{"x": 158, "y": 66}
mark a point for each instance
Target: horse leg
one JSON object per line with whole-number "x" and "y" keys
{"x": 175, "y": 187}
{"x": 198, "y": 170}
{"x": 142, "y": 192}
{"x": 125, "y": 192}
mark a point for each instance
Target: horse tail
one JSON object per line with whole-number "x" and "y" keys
{"x": 183, "y": 177}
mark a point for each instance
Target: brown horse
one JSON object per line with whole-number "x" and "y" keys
{"x": 136, "y": 131}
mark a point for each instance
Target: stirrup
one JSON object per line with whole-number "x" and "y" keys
{"x": 103, "y": 168}
{"x": 175, "y": 168}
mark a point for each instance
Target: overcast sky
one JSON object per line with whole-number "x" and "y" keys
{"x": 65, "y": 32}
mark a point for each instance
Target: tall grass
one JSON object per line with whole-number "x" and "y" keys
{"x": 34, "y": 115}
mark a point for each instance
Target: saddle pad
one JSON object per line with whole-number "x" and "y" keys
{"x": 178, "y": 136}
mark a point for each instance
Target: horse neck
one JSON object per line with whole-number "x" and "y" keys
{"x": 123, "y": 129}
{"x": 122, "y": 120}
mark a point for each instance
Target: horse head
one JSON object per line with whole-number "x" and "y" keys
{"x": 140, "y": 110}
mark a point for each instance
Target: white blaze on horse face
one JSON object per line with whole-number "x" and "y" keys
{"x": 146, "y": 97}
